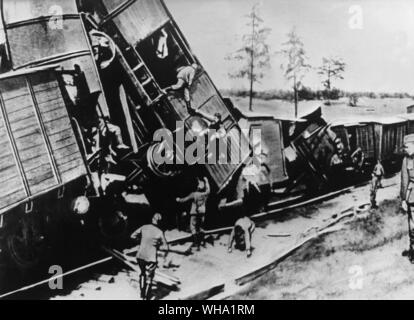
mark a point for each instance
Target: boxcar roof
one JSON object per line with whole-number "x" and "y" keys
{"x": 23, "y": 72}
{"x": 388, "y": 120}
{"x": 406, "y": 116}
{"x": 267, "y": 116}
{"x": 366, "y": 120}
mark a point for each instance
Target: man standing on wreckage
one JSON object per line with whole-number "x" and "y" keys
{"x": 407, "y": 196}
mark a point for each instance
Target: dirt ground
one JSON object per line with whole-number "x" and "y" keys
{"x": 362, "y": 261}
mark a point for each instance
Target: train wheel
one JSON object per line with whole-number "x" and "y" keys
{"x": 24, "y": 245}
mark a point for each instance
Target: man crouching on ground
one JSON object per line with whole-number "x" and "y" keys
{"x": 242, "y": 235}
{"x": 152, "y": 239}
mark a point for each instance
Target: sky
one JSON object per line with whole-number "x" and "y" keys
{"x": 375, "y": 38}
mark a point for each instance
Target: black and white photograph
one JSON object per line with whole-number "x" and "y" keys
{"x": 210, "y": 150}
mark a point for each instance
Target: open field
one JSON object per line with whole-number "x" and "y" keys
{"x": 339, "y": 110}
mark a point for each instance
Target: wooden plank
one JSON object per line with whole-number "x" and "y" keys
{"x": 43, "y": 185}
{"x": 15, "y": 196}
{"x": 67, "y": 151}
{"x": 32, "y": 150}
{"x": 58, "y": 137}
{"x": 51, "y": 104}
{"x": 58, "y": 147}
{"x": 68, "y": 166}
{"x": 56, "y": 126}
{"x": 4, "y": 140}
{"x": 36, "y": 162}
{"x": 54, "y": 114}
{"x": 24, "y": 124}
{"x": 6, "y": 160}
{"x": 9, "y": 173}
{"x": 62, "y": 160}
{"x": 20, "y": 106}
{"x": 73, "y": 173}
{"x": 24, "y": 132}
{"x": 34, "y": 141}
{"x": 41, "y": 178}
{"x": 16, "y": 118}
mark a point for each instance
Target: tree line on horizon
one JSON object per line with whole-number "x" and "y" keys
{"x": 254, "y": 56}
{"x": 306, "y": 93}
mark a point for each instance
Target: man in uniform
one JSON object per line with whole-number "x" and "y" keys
{"x": 152, "y": 239}
{"x": 377, "y": 176}
{"x": 407, "y": 196}
{"x": 242, "y": 235}
{"x": 198, "y": 209}
{"x": 185, "y": 78}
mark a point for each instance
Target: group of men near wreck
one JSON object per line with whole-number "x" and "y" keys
{"x": 152, "y": 238}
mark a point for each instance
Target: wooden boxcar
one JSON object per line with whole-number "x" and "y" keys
{"x": 266, "y": 136}
{"x": 389, "y": 138}
{"x": 50, "y": 32}
{"x": 315, "y": 145}
{"x": 139, "y": 28}
{"x": 41, "y": 165}
{"x": 356, "y": 135}
{"x": 409, "y": 118}
{"x": 380, "y": 139}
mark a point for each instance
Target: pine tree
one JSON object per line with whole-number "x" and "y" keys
{"x": 296, "y": 65}
{"x": 254, "y": 55}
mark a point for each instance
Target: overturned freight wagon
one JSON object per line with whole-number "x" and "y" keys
{"x": 389, "y": 135}
{"x": 111, "y": 47}
{"x": 150, "y": 49}
{"x": 266, "y": 136}
{"x": 317, "y": 151}
{"x": 41, "y": 165}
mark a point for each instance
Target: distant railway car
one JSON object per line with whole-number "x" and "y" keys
{"x": 409, "y": 117}
{"x": 377, "y": 138}
{"x": 266, "y": 136}
{"x": 410, "y": 109}
{"x": 150, "y": 51}
{"x": 42, "y": 168}
{"x": 389, "y": 138}
{"x": 358, "y": 136}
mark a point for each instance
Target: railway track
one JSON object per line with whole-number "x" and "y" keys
{"x": 272, "y": 209}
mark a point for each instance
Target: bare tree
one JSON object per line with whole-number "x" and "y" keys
{"x": 332, "y": 68}
{"x": 254, "y": 55}
{"x": 296, "y": 65}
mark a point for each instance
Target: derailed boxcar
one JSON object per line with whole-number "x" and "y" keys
{"x": 150, "y": 49}
{"x": 389, "y": 134}
{"x": 317, "y": 149}
{"x": 409, "y": 117}
{"x": 41, "y": 165}
{"x": 266, "y": 136}
{"x": 374, "y": 139}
